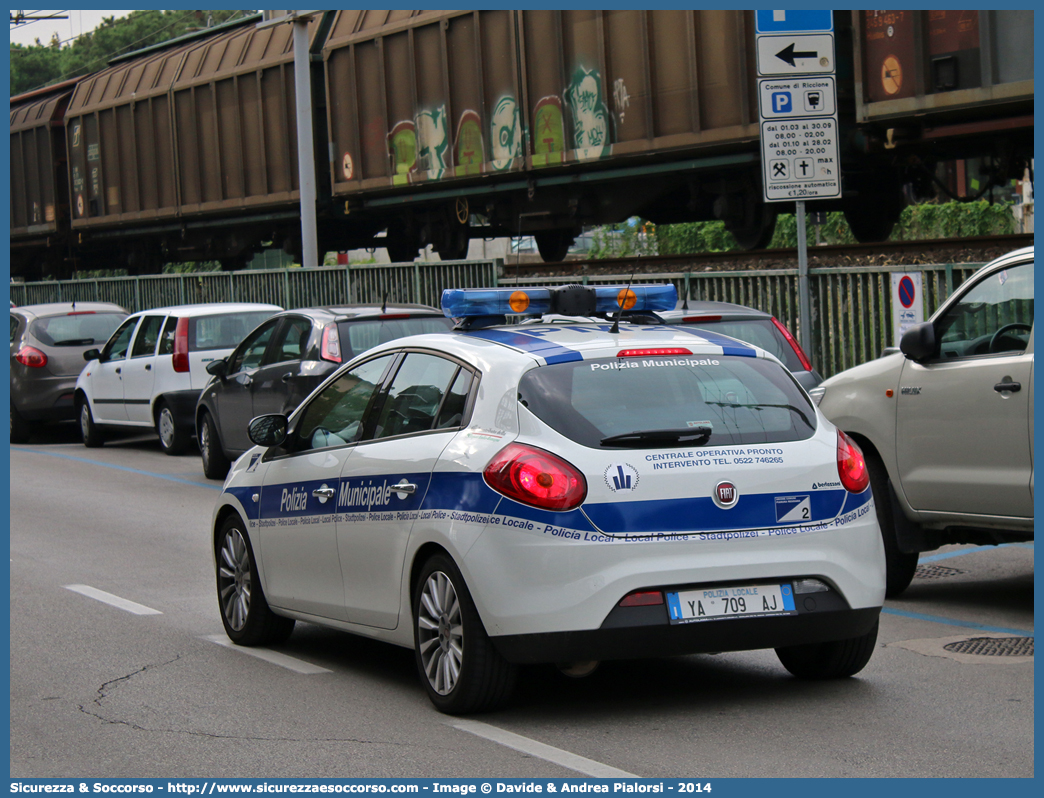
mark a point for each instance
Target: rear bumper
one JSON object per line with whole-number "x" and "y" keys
{"x": 44, "y": 398}
{"x": 642, "y": 632}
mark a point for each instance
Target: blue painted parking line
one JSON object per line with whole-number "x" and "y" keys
{"x": 167, "y": 477}
{"x": 920, "y": 616}
{"x": 948, "y": 554}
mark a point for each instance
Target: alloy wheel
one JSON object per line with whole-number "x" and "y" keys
{"x": 234, "y": 583}
{"x": 440, "y": 633}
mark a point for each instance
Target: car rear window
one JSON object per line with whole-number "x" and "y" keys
{"x": 760, "y": 332}
{"x": 358, "y": 336}
{"x": 735, "y": 400}
{"x": 75, "y": 329}
{"x": 224, "y": 331}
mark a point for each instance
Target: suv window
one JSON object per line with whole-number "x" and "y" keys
{"x": 223, "y": 331}
{"x": 148, "y": 335}
{"x": 335, "y": 417}
{"x": 358, "y": 336}
{"x": 75, "y": 329}
{"x": 995, "y": 316}
{"x": 415, "y": 395}
{"x": 736, "y": 399}
{"x": 116, "y": 348}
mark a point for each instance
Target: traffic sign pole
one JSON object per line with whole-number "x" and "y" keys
{"x": 804, "y": 294}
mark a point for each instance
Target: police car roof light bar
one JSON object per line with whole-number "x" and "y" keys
{"x": 472, "y": 303}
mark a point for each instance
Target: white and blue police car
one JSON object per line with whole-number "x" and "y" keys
{"x": 566, "y": 493}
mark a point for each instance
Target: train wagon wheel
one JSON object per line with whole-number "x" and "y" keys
{"x": 554, "y": 245}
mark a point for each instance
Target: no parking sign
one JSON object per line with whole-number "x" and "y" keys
{"x": 907, "y": 302}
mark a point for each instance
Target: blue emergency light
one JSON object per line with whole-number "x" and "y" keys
{"x": 573, "y": 300}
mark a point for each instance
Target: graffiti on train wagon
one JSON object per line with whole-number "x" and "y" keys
{"x": 549, "y": 140}
{"x": 432, "y": 142}
{"x": 589, "y": 114}
{"x": 469, "y": 149}
{"x": 506, "y": 129}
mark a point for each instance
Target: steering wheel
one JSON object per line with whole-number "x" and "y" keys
{"x": 1018, "y": 325}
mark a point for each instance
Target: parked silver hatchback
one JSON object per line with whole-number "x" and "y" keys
{"x": 47, "y": 346}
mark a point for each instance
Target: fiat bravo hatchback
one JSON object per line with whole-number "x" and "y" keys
{"x": 495, "y": 496}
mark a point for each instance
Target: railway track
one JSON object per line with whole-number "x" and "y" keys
{"x": 977, "y": 249}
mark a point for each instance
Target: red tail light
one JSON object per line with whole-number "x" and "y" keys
{"x": 806, "y": 364}
{"x": 330, "y": 349}
{"x": 535, "y": 477}
{"x": 181, "y": 346}
{"x": 642, "y": 598}
{"x": 851, "y": 465}
{"x": 698, "y": 319}
{"x": 660, "y": 352}
{"x": 32, "y": 357}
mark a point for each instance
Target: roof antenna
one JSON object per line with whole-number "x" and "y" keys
{"x": 384, "y": 303}
{"x": 615, "y": 329}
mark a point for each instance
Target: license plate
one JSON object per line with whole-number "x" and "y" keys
{"x": 739, "y": 601}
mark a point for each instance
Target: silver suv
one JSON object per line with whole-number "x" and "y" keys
{"x": 947, "y": 423}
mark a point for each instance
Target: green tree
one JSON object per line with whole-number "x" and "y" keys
{"x": 40, "y": 65}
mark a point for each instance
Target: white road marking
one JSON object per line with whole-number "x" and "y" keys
{"x": 114, "y": 601}
{"x": 274, "y": 657}
{"x": 547, "y": 752}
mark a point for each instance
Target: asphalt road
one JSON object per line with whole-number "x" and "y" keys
{"x": 151, "y": 689}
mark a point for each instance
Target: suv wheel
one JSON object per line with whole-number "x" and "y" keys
{"x": 173, "y": 439}
{"x": 215, "y": 464}
{"x": 899, "y": 565}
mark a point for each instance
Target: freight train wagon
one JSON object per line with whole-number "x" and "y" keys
{"x": 435, "y": 127}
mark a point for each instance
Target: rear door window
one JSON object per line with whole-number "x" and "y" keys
{"x": 223, "y": 331}
{"x": 291, "y": 341}
{"x": 148, "y": 335}
{"x": 415, "y": 395}
{"x": 666, "y": 401}
{"x": 359, "y": 336}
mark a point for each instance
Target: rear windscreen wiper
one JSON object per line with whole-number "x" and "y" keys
{"x": 759, "y": 405}
{"x": 661, "y": 437}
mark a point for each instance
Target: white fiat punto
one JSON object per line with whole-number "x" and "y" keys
{"x": 568, "y": 493}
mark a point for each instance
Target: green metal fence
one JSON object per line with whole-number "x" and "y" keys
{"x": 851, "y": 313}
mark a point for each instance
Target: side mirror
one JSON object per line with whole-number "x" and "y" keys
{"x": 218, "y": 368}
{"x": 91, "y": 354}
{"x": 918, "y": 342}
{"x": 268, "y": 430}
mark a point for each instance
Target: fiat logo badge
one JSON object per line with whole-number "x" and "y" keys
{"x": 725, "y": 495}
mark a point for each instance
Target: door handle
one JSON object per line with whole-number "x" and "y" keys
{"x": 288, "y": 376}
{"x": 404, "y": 487}
{"x": 324, "y": 493}
{"x": 1007, "y": 384}
{"x": 119, "y": 371}
{"x": 148, "y": 367}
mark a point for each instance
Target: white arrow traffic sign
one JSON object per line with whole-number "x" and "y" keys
{"x": 809, "y": 54}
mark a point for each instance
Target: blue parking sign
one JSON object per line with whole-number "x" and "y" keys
{"x": 794, "y": 21}
{"x": 782, "y": 102}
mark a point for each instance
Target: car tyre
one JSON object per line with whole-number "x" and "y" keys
{"x": 173, "y": 439}
{"x": 836, "y": 659}
{"x": 245, "y": 613}
{"x": 899, "y": 565}
{"x": 91, "y": 432}
{"x": 457, "y": 663}
{"x": 215, "y": 463}
{"x": 21, "y": 429}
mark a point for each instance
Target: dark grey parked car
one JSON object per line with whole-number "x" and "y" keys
{"x": 284, "y": 359}
{"x": 47, "y": 346}
{"x": 752, "y": 326}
